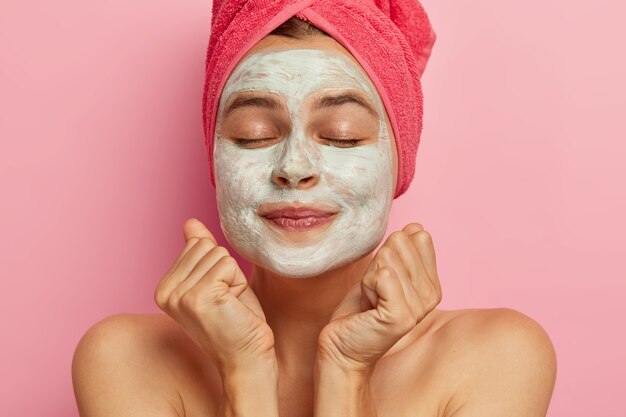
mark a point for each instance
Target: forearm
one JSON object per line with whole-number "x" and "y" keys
{"x": 250, "y": 392}
{"x": 339, "y": 393}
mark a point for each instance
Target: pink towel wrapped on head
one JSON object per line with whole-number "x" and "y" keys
{"x": 391, "y": 39}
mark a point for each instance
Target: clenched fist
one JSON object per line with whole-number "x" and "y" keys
{"x": 206, "y": 292}
{"x": 399, "y": 288}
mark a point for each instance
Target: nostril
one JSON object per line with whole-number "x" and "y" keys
{"x": 295, "y": 182}
{"x": 282, "y": 181}
{"x": 306, "y": 180}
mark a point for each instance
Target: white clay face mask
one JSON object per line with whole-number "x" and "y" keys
{"x": 297, "y": 169}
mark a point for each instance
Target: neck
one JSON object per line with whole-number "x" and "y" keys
{"x": 298, "y": 308}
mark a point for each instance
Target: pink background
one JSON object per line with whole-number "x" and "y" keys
{"x": 519, "y": 177}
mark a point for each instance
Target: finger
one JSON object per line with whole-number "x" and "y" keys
{"x": 424, "y": 244}
{"x": 200, "y": 269}
{"x": 392, "y": 303}
{"x": 183, "y": 268}
{"x": 249, "y": 299}
{"x": 351, "y": 303}
{"x": 188, "y": 245}
{"x": 390, "y": 258}
{"x": 427, "y": 293}
{"x": 412, "y": 228}
{"x": 410, "y": 257}
{"x": 221, "y": 283}
{"x": 379, "y": 260}
{"x": 193, "y": 231}
{"x": 194, "y": 228}
{"x": 408, "y": 229}
{"x": 369, "y": 298}
{"x": 375, "y": 264}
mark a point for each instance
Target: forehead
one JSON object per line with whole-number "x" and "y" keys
{"x": 296, "y": 73}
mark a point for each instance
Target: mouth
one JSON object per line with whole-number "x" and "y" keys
{"x": 298, "y": 217}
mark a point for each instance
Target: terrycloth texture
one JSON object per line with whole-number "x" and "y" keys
{"x": 391, "y": 39}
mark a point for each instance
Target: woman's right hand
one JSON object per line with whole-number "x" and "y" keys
{"x": 206, "y": 292}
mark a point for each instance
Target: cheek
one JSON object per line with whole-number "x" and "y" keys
{"x": 360, "y": 173}
{"x": 240, "y": 174}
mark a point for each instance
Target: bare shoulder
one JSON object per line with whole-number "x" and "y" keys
{"x": 139, "y": 365}
{"x": 502, "y": 360}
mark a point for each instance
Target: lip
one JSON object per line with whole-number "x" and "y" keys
{"x": 297, "y": 216}
{"x": 296, "y": 210}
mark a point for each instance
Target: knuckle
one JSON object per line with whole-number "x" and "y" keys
{"x": 396, "y": 237}
{"x": 160, "y": 298}
{"x": 220, "y": 251}
{"x": 424, "y": 236}
{"x": 431, "y": 306}
{"x": 226, "y": 260}
{"x": 174, "y": 299}
{"x": 192, "y": 242}
{"x": 385, "y": 253}
{"x": 429, "y": 291}
{"x": 433, "y": 300}
{"x": 369, "y": 277}
{"x": 383, "y": 250}
{"x": 412, "y": 228}
{"x": 439, "y": 296}
{"x": 208, "y": 240}
{"x": 189, "y": 301}
{"x": 205, "y": 244}
{"x": 385, "y": 273}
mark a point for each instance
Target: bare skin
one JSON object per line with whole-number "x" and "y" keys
{"x": 145, "y": 365}
{"x": 464, "y": 363}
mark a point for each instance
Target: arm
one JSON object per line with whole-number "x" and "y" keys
{"x": 250, "y": 392}
{"x": 341, "y": 394}
{"x": 399, "y": 288}
{"x": 206, "y": 292}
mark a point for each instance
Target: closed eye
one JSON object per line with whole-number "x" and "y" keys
{"x": 248, "y": 141}
{"x": 342, "y": 143}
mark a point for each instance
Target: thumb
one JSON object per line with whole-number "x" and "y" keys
{"x": 195, "y": 228}
{"x": 351, "y": 304}
{"x": 250, "y": 300}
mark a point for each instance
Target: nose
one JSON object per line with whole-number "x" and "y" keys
{"x": 298, "y": 166}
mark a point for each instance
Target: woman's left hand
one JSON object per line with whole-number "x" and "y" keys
{"x": 399, "y": 288}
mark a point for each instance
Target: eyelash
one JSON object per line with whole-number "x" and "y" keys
{"x": 348, "y": 141}
{"x": 244, "y": 141}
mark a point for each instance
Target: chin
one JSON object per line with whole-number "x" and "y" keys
{"x": 298, "y": 271}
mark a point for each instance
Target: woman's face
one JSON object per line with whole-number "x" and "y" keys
{"x": 304, "y": 159}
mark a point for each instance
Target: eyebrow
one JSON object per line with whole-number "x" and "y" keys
{"x": 338, "y": 100}
{"x": 319, "y": 103}
{"x": 253, "y": 101}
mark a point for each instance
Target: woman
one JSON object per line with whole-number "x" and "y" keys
{"x": 306, "y": 166}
